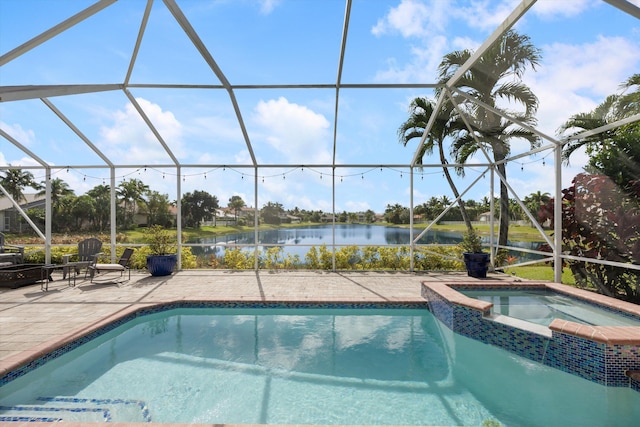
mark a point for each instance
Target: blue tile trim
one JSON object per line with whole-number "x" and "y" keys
{"x": 30, "y": 419}
{"x": 28, "y": 367}
{"x": 578, "y": 356}
{"x": 106, "y": 414}
{"x": 144, "y": 410}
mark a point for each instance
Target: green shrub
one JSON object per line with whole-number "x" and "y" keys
{"x": 237, "y": 259}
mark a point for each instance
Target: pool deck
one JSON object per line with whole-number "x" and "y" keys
{"x": 34, "y": 322}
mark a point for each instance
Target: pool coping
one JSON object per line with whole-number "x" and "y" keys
{"x": 610, "y": 335}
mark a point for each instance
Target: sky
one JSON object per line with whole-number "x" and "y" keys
{"x": 588, "y": 49}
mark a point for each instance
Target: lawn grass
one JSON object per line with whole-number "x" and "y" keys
{"x": 540, "y": 272}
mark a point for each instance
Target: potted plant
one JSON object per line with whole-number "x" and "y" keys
{"x": 162, "y": 259}
{"x": 475, "y": 259}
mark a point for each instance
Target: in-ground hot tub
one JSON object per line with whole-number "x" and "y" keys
{"x": 542, "y": 305}
{"x": 605, "y": 353}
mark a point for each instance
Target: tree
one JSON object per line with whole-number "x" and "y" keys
{"x": 613, "y": 108}
{"x": 236, "y": 203}
{"x": 158, "y": 205}
{"x": 629, "y": 104}
{"x": 131, "y": 194}
{"x": 65, "y": 220}
{"x": 535, "y": 201}
{"x": 494, "y": 79}
{"x": 271, "y": 213}
{"x": 603, "y": 114}
{"x": 601, "y": 221}
{"x": 59, "y": 191}
{"x": 197, "y": 207}
{"x": 395, "y": 214}
{"x": 83, "y": 209}
{"x": 14, "y": 182}
{"x": 445, "y": 124}
{"x": 101, "y": 194}
{"x": 370, "y": 216}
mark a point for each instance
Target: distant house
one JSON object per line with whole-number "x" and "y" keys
{"x": 10, "y": 219}
{"x": 484, "y": 217}
{"x": 326, "y": 217}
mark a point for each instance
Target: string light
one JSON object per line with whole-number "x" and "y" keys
{"x": 293, "y": 169}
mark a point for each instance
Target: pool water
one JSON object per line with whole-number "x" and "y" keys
{"x": 311, "y": 366}
{"x": 542, "y": 306}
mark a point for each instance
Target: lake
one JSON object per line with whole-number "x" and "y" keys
{"x": 298, "y": 240}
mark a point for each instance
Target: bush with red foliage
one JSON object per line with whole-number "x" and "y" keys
{"x": 601, "y": 221}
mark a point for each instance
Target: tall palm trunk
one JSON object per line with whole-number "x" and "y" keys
{"x": 454, "y": 189}
{"x": 503, "y": 233}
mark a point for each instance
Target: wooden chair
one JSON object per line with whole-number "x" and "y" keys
{"x": 122, "y": 265}
{"x": 88, "y": 254}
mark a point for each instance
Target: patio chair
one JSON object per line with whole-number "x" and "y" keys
{"x": 122, "y": 265}
{"x": 88, "y": 254}
{"x": 10, "y": 254}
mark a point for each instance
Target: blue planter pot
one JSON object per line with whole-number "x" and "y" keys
{"x": 161, "y": 265}
{"x": 477, "y": 264}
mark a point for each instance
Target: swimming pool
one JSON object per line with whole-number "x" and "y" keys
{"x": 541, "y": 306}
{"x": 304, "y": 366}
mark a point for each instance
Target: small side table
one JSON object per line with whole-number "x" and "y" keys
{"x": 69, "y": 267}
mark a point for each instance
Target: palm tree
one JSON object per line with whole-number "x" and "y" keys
{"x": 59, "y": 189}
{"x": 421, "y": 110}
{"x": 629, "y": 104}
{"x": 613, "y": 108}
{"x": 494, "y": 79}
{"x": 605, "y": 113}
{"x": 131, "y": 194}
{"x": 534, "y": 201}
{"x": 236, "y": 203}
{"x": 14, "y": 182}
{"x": 102, "y": 196}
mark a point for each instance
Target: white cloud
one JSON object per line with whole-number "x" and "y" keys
{"x": 412, "y": 18}
{"x": 357, "y": 206}
{"x": 294, "y": 131}
{"x": 485, "y": 15}
{"x": 581, "y": 77}
{"x": 267, "y": 6}
{"x": 422, "y": 65}
{"x": 131, "y": 139}
{"x": 25, "y": 137}
{"x": 550, "y": 9}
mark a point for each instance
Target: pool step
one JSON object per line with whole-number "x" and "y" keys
{"x": 33, "y": 413}
{"x": 78, "y": 409}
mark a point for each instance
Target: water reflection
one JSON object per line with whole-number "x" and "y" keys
{"x": 303, "y": 237}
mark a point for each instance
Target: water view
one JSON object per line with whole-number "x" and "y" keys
{"x": 298, "y": 240}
